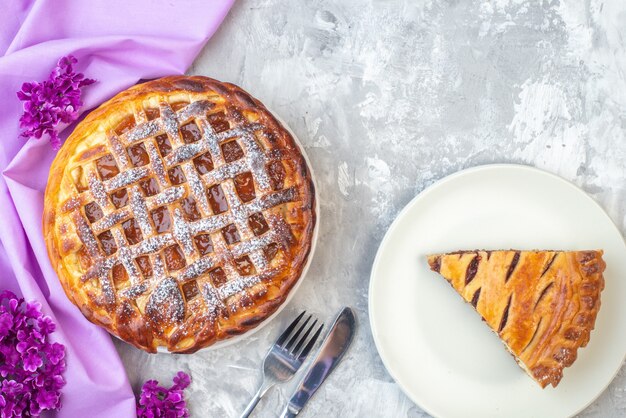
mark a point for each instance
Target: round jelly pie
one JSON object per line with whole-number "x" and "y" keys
{"x": 179, "y": 213}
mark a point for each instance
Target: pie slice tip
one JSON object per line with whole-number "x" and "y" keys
{"x": 542, "y": 304}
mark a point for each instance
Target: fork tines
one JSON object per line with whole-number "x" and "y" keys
{"x": 295, "y": 344}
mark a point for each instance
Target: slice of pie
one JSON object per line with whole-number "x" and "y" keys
{"x": 542, "y": 304}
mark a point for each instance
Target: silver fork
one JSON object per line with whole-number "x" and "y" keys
{"x": 285, "y": 357}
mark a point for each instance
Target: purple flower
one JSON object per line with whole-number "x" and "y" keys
{"x": 52, "y": 101}
{"x": 31, "y": 359}
{"x": 32, "y": 310}
{"x": 11, "y": 387}
{"x": 30, "y": 364}
{"x": 46, "y": 326}
{"x": 181, "y": 381}
{"x": 47, "y": 399}
{"x": 156, "y": 401}
{"x": 55, "y": 353}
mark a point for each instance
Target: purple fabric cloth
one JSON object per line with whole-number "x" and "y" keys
{"x": 117, "y": 42}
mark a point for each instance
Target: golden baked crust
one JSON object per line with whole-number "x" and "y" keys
{"x": 179, "y": 213}
{"x": 542, "y": 304}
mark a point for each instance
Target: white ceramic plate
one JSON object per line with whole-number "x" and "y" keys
{"x": 237, "y": 338}
{"x": 436, "y": 347}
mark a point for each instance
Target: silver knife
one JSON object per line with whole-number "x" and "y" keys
{"x": 334, "y": 346}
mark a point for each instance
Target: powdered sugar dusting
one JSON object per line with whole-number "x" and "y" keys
{"x": 182, "y": 233}
{"x": 169, "y": 195}
{"x": 253, "y": 244}
{"x": 152, "y": 245}
{"x": 186, "y": 152}
{"x": 166, "y": 303}
{"x": 225, "y": 172}
{"x": 169, "y": 123}
{"x": 256, "y": 160}
{"x": 141, "y": 132}
{"x": 86, "y": 235}
{"x": 238, "y": 285}
{"x": 120, "y": 156}
{"x": 196, "y": 187}
{"x": 111, "y": 219}
{"x": 213, "y": 300}
{"x": 194, "y": 109}
{"x": 126, "y": 178}
{"x": 210, "y": 224}
{"x": 257, "y": 256}
{"x": 238, "y": 213}
{"x": 197, "y": 268}
{"x": 134, "y": 292}
{"x": 140, "y": 211}
{"x": 210, "y": 138}
{"x": 97, "y": 190}
{"x": 126, "y": 256}
{"x": 157, "y": 163}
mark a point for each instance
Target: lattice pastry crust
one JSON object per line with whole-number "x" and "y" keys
{"x": 179, "y": 213}
{"x": 542, "y": 304}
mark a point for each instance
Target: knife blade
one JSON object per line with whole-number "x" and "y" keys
{"x": 333, "y": 348}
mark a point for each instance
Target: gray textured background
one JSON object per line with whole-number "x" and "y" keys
{"x": 388, "y": 97}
